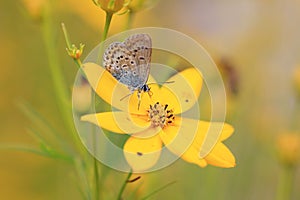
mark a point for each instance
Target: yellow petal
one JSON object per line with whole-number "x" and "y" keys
{"x": 221, "y": 156}
{"x": 142, "y": 153}
{"x": 146, "y": 100}
{"x": 211, "y": 133}
{"x": 168, "y": 96}
{"x": 105, "y": 85}
{"x": 179, "y": 137}
{"x": 112, "y": 91}
{"x": 186, "y": 87}
{"x": 185, "y": 140}
{"x": 118, "y": 122}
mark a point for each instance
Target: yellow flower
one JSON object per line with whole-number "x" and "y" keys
{"x": 82, "y": 96}
{"x": 288, "y": 146}
{"x": 34, "y": 7}
{"x": 158, "y": 121}
{"x": 138, "y": 5}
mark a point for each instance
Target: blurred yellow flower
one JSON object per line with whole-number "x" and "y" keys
{"x": 138, "y": 5}
{"x": 288, "y": 148}
{"x": 110, "y": 6}
{"x": 34, "y": 7}
{"x": 156, "y": 122}
{"x": 82, "y": 96}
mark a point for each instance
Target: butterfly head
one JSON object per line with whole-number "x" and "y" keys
{"x": 145, "y": 88}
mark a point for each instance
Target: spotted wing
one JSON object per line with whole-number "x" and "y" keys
{"x": 129, "y": 62}
{"x": 120, "y": 63}
{"x": 140, "y": 47}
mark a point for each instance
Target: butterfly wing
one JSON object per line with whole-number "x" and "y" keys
{"x": 140, "y": 46}
{"x": 118, "y": 61}
{"x": 129, "y": 62}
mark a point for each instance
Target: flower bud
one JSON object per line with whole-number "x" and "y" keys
{"x": 75, "y": 52}
{"x": 110, "y": 6}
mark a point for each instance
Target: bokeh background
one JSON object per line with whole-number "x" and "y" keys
{"x": 257, "y": 47}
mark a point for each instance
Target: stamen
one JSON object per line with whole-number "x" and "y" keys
{"x": 160, "y": 116}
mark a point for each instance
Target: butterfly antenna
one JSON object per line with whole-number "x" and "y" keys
{"x": 139, "y": 99}
{"x": 139, "y": 104}
{"x": 161, "y": 82}
{"x": 125, "y": 96}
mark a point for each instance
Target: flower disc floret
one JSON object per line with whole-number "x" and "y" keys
{"x": 159, "y": 115}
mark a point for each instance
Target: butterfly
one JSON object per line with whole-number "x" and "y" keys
{"x": 129, "y": 62}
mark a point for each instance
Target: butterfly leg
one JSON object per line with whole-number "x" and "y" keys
{"x": 139, "y": 96}
{"x": 150, "y": 93}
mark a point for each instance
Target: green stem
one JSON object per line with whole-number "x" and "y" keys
{"x": 67, "y": 38}
{"x": 96, "y": 173}
{"x": 158, "y": 190}
{"x": 285, "y": 184}
{"x": 95, "y": 162}
{"x": 107, "y": 25}
{"x": 61, "y": 92}
{"x": 69, "y": 46}
{"x": 105, "y": 32}
{"x": 124, "y": 185}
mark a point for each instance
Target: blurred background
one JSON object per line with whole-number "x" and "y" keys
{"x": 255, "y": 44}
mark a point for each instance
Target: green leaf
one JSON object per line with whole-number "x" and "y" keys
{"x": 49, "y": 136}
{"x": 40, "y": 152}
{"x": 158, "y": 190}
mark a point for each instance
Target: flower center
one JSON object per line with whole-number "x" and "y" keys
{"x": 160, "y": 116}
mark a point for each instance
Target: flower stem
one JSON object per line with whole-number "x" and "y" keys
{"x": 95, "y": 161}
{"x": 61, "y": 92}
{"x": 124, "y": 185}
{"x": 105, "y": 32}
{"x": 284, "y": 190}
{"x": 67, "y": 38}
{"x": 69, "y": 46}
{"x": 96, "y": 172}
{"x": 107, "y": 25}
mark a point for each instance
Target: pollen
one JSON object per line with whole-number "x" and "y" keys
{"x": 159, "y": 115}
